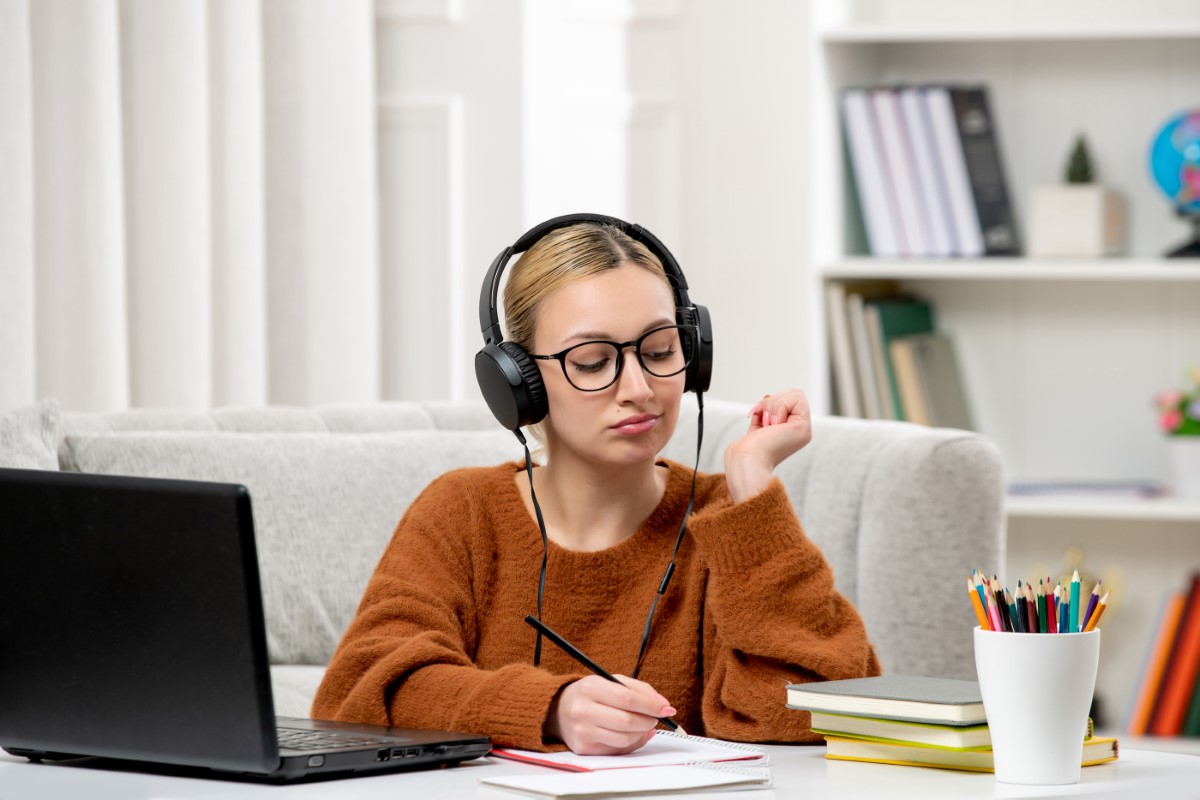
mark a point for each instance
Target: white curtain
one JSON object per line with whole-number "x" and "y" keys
{"x": 188, "y": 202}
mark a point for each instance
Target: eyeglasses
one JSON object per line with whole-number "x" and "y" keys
{"x": 593, "y": 366}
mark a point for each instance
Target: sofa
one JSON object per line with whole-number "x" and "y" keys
{"x": 902, "y": 512}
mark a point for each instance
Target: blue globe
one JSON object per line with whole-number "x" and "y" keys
{"x": 1175, "y": 161}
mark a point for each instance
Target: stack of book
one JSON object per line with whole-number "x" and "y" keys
{"x": 927, "y": 171}
{"x": 889, "y": 361}
{"x": 911, "y": 721}
{"x": 1167, "y": 702}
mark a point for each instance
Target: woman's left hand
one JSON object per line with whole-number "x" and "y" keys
{"x": 780, "y": 425}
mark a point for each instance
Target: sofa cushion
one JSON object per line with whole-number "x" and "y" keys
{"x": 29, "y": 436}
{"x": 324, "y": 507}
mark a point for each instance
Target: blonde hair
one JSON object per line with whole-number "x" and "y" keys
{"x": 558, "y": 259}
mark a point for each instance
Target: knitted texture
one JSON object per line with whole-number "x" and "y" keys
{"x": 440, "y": 639}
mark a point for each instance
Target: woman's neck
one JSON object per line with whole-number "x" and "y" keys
{"x": 591, "y": 508}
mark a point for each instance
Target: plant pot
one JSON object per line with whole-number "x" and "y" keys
{"x": 1185, "y": 465}
{"x": 1079, "y": 220}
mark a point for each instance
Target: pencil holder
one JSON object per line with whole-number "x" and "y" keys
{"x": 1037, "y": 691}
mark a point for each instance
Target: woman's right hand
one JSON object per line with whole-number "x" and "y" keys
{"x": 594, "y": 716}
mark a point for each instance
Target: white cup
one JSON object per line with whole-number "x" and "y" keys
{"x": 1037, "y": 690}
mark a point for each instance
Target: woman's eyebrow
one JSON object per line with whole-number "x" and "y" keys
{"x": 586, "y": 336}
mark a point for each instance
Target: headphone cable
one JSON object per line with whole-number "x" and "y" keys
{"x": 666, "y": 578}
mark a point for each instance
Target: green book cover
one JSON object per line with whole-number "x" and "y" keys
{"x": 1191, "y": 725}
{"x": 900, "y": 317}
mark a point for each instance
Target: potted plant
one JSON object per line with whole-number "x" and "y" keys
{"x": 1079, "y": 217}
{"x": 1179, "y": 417}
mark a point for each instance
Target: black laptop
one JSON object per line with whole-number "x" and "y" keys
{"x": 131, "y": 627}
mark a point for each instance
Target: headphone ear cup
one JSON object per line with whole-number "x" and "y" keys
{"x": 511, "y": 385}
{"x": 699, "y": 372}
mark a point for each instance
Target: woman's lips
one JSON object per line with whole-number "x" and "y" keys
{"x": 635, "y": 425}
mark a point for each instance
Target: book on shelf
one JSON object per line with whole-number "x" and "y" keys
{"x": 927, "y": 171}
{"x": 931, "y": 182}
{"x": 898, "y": 315}
{"x": 1155, "y": 663}
{"x": 846, "y": 346}
{"x": 929, "y": 380}
{"x": 1181, "y": 669}
{"x": 655, "y": 781}
{"x": 1087, "y": 489}
{"x": 864, "y": 359}
{"x": 902, "y": 697}
{"x": 870, "y": 174}
{"x": 1097, "y": 750}
{"x": 666, "y": 748}
{"x": 899, "y": 162}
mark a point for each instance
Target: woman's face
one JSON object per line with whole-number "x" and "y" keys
{"x": 631, "y": 421}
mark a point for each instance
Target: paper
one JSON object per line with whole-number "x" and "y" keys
{"x": 665, "y": 748}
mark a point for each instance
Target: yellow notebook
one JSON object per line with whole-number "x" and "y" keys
{"x": 1095, "y": 751}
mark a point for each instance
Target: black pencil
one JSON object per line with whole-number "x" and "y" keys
{"x": 577, "y": 654}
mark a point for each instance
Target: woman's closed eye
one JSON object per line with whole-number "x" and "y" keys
{"x": 598, "y": 365}
{"x": 658, "y": 355}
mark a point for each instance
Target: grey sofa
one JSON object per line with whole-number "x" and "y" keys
{"x": 902, "y": 512}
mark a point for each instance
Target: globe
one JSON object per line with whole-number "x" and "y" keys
{"x": 1175, "y": 161}
{"x": 1175, "y": 165}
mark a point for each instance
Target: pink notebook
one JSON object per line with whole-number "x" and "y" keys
{"x": 666, "y": 748}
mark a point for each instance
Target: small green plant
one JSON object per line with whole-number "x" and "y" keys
{"x": 1079, "y": 165}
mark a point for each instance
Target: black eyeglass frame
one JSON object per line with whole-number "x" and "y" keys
{"x": 689, "y": 351}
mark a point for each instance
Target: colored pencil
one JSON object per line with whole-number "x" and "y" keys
{"x": 1094, "y": 617}
{"x": 1018, "y": 625}
{"x": 997, "y": 624}
{"x": 1051, "y": 603}
{"x": 1087, "y": 615}
{"x": 1074, "y": 625}
{"x": 978, "y": 606}
{"x": 1030, "y": 610}
{"x": 1043, "y": 619}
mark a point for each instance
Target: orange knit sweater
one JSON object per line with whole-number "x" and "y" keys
{"x": 440, "y": 639}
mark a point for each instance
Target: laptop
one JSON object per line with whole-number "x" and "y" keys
{"x": 131, "y": 627}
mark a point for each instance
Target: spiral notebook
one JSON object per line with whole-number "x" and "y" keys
{"x": 667, "y": 748}
{"x": 633, "y": 782}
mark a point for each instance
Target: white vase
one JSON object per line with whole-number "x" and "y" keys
{"x": 1185, "y": 465}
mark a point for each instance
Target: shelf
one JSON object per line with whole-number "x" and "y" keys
{"x": 1116, "y": 30}
{"x": 1163, "y": 744}
{"x": 1016, "y": 269}
{"x": 1168, "y": 509}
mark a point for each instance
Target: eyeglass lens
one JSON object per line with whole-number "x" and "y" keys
{"x": 663, "y": 352}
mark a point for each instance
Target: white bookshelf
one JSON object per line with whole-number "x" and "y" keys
{"x": 1061, "y": 358}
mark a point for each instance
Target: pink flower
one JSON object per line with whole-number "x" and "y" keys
{"x": 1170, "y": 420}
{"x": 1168, "y": 399}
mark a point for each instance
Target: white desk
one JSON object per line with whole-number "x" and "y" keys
{"x": 798, "y": 772}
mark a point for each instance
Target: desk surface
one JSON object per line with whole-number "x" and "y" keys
{"x": 797, "y": 772}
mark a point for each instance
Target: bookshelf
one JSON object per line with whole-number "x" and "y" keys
{"x": 1060, "y": 357}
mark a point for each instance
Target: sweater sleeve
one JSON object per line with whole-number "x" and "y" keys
{"x": 406, "y": 658}
{"x": 772, "y": 617}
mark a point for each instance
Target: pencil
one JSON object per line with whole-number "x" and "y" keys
{"x": 1095, "y": 617}
{"x": 1018, "y": 625}
{"x": 977, "y": 576}
{"x": 1083, "y": 619}
{"x": 1051, "y": 602}
{"x": 994, "y": 613}
{"x": 579, "y": 656}
{"x": 1074, "y": 626}
{"x": 1043, "y": 619}
{"x": 1030, "y": 609}
{"x": 978, "y": 606}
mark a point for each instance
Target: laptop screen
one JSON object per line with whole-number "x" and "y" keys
{"x": 132, "y": 621}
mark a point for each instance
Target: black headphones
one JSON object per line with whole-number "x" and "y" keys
{"x": 510, "y": 380}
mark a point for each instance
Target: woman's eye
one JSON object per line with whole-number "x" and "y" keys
{"x": 659, "y": 355}
{"x": 594, "y": 366}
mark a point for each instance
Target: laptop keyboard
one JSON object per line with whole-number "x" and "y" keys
{"x": 301, "y": 739}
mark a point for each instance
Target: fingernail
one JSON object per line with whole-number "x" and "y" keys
{"x": 766, "y": 419}
{"x": 667, "y": 711}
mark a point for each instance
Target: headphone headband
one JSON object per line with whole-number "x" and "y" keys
{"x": 510, "y": 380}
{"x": 489, "y": 293}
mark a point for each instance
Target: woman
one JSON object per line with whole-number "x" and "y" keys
{"x": 440, "y": 639}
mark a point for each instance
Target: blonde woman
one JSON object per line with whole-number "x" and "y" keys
{"x": 440, "y": 640}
